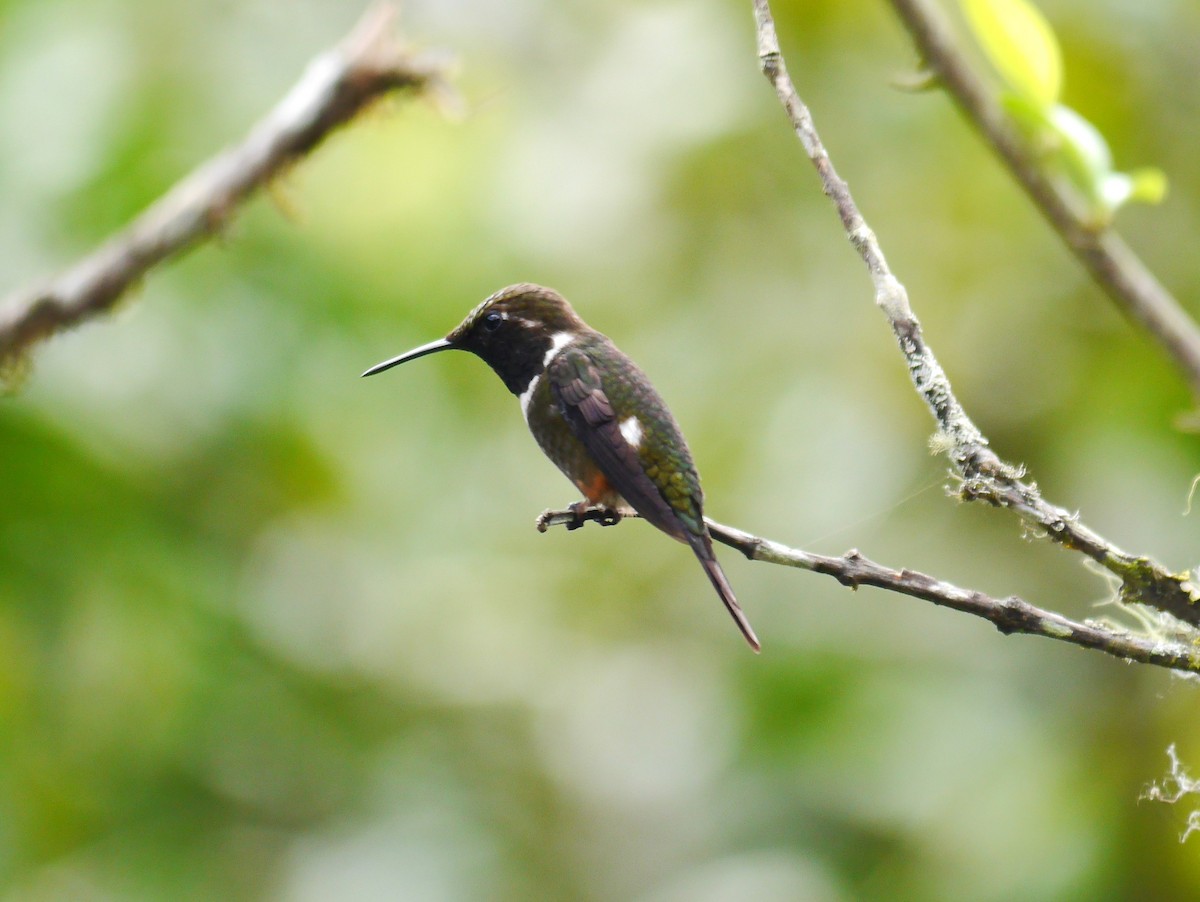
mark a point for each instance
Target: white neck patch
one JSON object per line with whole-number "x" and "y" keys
{"x": 526, "y": 396}
{"x": 557, "y": 342}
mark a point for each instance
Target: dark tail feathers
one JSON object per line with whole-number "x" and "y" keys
{"x": 716, "y": 576}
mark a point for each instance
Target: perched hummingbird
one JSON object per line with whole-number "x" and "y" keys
{"x": 594, "y": 414}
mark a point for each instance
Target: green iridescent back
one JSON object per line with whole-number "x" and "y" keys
{"x": 663, "y": 452}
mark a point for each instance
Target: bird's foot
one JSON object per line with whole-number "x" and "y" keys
{"x": 577, "y": 514}
{"x": 579, "y": 510}
{"x": 609, "y": 516}
{"x": 583, "y": 511}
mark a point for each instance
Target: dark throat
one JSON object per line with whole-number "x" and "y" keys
{"x": 517, "y": 363}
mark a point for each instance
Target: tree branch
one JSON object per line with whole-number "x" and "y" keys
{"x": 337, "y": 85}
{"x": 1009, "y": 615}
{"x": 1111, "y": 262}
{"x": 984, "y": 475}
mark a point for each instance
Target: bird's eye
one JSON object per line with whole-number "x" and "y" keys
{"x": 492, "y": 321}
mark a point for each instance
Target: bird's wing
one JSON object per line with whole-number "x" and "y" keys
{"x": 577, "y": 387}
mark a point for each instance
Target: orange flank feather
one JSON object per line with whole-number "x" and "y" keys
{"x": 595, "y": 487}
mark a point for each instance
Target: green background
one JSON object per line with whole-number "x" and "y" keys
{"x": 270, "y": 631}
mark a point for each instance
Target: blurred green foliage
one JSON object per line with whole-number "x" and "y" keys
{"x": 1021, "y": 46}
{"x": 269, "y": 631}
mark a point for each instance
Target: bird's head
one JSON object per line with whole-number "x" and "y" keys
{"x": 512, "y": 331}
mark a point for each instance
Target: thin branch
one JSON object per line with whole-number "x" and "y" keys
{"x": 367, "y": 64}
{"x": 1111, "y": 262}
{"x": 1009, "y": 615}
{"x": 984, "y": 475}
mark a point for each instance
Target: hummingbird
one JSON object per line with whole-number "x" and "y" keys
{"x": 594, "y": 413}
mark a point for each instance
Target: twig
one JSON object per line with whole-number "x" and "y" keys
{"x": 1111, "y": 262}
{"x": 1009, "y": 615}
{"x": 337, "y": 84}
{"x": 984, "y": 475}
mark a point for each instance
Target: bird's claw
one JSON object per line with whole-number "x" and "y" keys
{"x": 579, "y": 509}
{"x": 582, "y": 511}
{"x": 577, "y": 514}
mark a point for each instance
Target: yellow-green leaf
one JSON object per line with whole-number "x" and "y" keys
{"x": 1033, "y": 119}
{"x": 1149, "y": 185}
{"x": 1081, "y": 143}
{"x": 1115, "y": 190}
{"x": 1020, "y": 44}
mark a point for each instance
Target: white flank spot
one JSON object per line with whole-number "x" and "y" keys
{"x": 557, "y": 343}
{"x": 631, "y": 428}
{"x": 527, "y": 395}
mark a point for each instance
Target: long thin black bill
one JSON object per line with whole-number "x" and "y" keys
{"x": 432, "y": 348}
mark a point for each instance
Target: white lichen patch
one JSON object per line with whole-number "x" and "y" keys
{"x": 1174, "y": 786}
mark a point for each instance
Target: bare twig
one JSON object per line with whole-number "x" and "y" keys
{"x": 1009, "y": 615}
{"x": 1111, "y": 262}
{"x": 984, "y": 475}
{"x": 339, "y": 83}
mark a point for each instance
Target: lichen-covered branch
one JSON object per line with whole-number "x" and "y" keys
{"x": 1009, "y": 615}
{"x": 337, "y": 84}
{"x": 984, "y": 475}
{"x": 1111, "y": 262}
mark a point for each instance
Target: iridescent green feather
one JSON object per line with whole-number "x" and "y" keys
{"x": 663, "y": 451}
